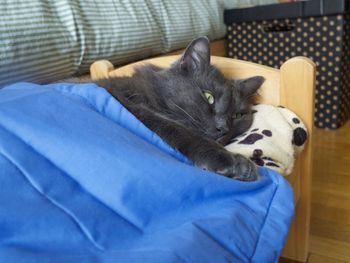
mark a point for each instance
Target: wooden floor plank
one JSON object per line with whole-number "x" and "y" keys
{"x": 314, "y": 258}
{"x": 331, "y": 213}
{"x": 330, "y": 248}
{"x": 331, "y": 230}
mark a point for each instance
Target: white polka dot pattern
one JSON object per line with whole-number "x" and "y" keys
{"x": 326, "y": 40}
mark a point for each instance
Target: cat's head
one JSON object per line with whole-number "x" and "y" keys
{"x": 204, "y": 100}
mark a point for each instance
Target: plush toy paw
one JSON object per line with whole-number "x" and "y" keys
{"x": 299, "y": 135}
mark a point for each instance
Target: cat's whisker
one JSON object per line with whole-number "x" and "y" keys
{"x": 195, "y": 122}
{"x": 132, "y": 95}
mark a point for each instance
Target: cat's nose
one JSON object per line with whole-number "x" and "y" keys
{"x": 222, "y": 129}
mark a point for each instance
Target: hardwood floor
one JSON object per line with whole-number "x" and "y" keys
{"x": 330, "y": 207}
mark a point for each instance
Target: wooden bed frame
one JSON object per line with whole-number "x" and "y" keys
{"x": 291, "y": 86}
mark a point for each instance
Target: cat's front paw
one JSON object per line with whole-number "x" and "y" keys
{"x": 243, "y": 169}
{"x": 232, "y": 165}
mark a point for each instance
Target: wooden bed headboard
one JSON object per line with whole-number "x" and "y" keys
{"x": 291, "y": 86}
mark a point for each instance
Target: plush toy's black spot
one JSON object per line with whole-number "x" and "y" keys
{"x": 251, "y": 138}
{"x": 254, "y": 130}
{"x": 280, "y": 106}
{"x": 258, "y": 161}
{"x": 257, "y": 153}
{"x": 268, "y": 158}
{"x": 272, "y": 164}
{"x": 299, "y": 136}
{"x": 296, "y": 120}
{"x": 268, "y": 133}
{"x": 254, "y": 111}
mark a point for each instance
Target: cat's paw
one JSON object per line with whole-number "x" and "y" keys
{"x": 232, "y": 165}
{"x": 244, "y": 169}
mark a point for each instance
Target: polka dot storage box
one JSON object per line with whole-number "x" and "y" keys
{"x": 318, "y": 29}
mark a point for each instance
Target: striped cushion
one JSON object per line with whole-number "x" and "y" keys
{"x": 46, "y": 40}
{"x": 42, "y": 41}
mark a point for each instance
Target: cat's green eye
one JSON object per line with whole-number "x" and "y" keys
{"x": 210, "y": 97}
{"x": 238, "y": 115}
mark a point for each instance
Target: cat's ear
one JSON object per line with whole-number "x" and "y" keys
{"x": 196, "y": 57}
{"x": 250, "y": 85}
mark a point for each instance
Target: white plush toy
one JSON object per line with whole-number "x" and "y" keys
{"x": 276, "y": 136}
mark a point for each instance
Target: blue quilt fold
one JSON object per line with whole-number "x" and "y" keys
{"x": 83, "y": 180}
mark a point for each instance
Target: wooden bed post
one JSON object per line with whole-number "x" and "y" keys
{"x": 297, "y": 94}
{"x": 100, "y": 69}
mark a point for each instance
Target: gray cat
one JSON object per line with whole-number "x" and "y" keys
{"x": 193, "y": 107}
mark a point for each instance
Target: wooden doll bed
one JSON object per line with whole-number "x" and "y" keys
{"x": 291, "y": 86}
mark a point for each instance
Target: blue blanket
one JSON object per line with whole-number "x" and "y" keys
{"x": 82, "y": 180}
